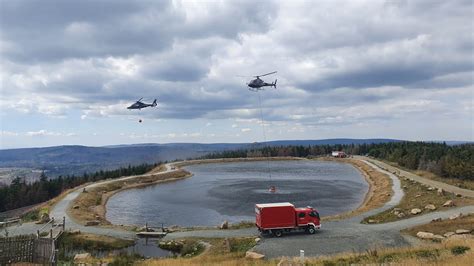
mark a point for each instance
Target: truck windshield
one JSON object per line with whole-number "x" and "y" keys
{"x": 314, "y": 214}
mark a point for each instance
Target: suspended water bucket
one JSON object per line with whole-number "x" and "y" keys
{"x": 272, "y": 189}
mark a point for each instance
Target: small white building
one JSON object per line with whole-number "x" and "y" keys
{"x": 338, "y": 154}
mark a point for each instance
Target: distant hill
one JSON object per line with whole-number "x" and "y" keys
{"x": 73, "y": 159}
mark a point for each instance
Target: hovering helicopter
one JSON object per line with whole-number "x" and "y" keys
{"x": 258, "y": 84}
{"x": 139, "y": 104}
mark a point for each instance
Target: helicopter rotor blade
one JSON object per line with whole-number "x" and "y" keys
{"x": 140, "y": 99}
{"x": 266, "y": 74}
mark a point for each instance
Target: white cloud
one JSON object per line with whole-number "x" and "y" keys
{"x": 5, "y": 133}
{"x": 43, "y": 133}
{"x": 338, "y": 64}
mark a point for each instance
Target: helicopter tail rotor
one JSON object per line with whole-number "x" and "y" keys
{"x": 275, "y": 84}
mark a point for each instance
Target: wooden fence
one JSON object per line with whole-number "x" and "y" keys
{"x": 39, "y": 248}
{"x": 26, "y": 248}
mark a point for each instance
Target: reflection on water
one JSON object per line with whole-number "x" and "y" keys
{"x": 229, "y": 191}
{"x": 148, "y": 247}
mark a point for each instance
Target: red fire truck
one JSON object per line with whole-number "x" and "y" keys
{"x": 278, "y": 218}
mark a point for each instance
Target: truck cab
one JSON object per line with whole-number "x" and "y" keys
{"x": 307, "y": 216}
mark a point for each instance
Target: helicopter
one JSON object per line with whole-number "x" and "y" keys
{"x": 258, "y": 84}
{"x": 139, "y": 104}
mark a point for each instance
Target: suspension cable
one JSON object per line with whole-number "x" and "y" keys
{"x": 264, "y": 135}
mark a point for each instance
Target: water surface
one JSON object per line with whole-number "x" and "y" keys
{"x": 229, "y": 191}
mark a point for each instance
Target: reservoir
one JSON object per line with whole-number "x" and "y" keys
{"x": 229, "y": 191}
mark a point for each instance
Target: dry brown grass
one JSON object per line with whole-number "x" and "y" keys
{"x": 160, "y": 168}
{"x": 380, "y": 189}
{"x": 221, "y": 252}
{"x": 418, "y": 196}
{"x": 431, "y": 254}
{"x": 444, "y": 226}
{"x": 91, "y": 204}
{"x": 462, "y": 183}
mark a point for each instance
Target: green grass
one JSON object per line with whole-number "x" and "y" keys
{"x": 459, "y": 250}
{"x": 183, "y": 248}
{"x": 34, "y": 215}
{"x": 124, "y": 259}
{"x": 90, "y": 242}
{"x": 241, "y": 244}
{"x": 242, "y": 224}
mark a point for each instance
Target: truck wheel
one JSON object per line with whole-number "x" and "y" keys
{"x": 311, "y": 229}
{"x": 278, "y": 233}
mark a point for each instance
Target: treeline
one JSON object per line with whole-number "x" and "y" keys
{"x": 444, "y": 160}
{"x": 20, "y": 193}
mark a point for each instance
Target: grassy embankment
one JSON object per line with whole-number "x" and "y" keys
{"x": 219, "y": 252}
{"x": 71, "y": 243}
{"x": 444, "y": 226}
{"x": 455, "y": 252}
{"x": 90, "y": 205}
{"x": 417, "y": 196}
{"x": 461, "y": 183}
{"x": 91, "y": 242}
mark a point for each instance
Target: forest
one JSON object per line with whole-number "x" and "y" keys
{"x": 20, "y": 193}
{"x": 439, "y": 158}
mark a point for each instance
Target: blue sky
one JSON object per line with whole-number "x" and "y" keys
{"x": 358, "y": 69}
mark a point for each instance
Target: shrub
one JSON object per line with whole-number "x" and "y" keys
{"x": 458, "y": 250}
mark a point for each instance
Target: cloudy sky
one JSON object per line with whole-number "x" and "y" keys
{"x": 359, "y": 69}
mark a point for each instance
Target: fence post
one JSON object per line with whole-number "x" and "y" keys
{"x": 38, "y": 233}
{"x": 64, "y": 223}
{"x": 51, "y": 233}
